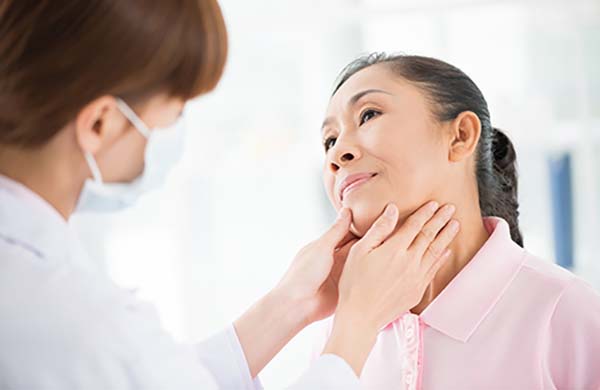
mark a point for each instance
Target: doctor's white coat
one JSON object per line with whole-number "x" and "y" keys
{"x": 63, "y": 326}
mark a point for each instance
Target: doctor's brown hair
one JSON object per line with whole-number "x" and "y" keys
{"x": 451, "y": 91}
{"x": 56, "y": 56}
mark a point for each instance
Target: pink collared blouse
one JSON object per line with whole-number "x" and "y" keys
{"x": 508, "y": 320}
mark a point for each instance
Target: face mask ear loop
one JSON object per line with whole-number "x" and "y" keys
{"x": 91, "y": 162}
{"x": 133, "y": 118}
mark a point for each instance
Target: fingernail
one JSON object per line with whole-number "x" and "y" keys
{"x": 447, "y": 253}
{"x": 454, "y": 225}
{"x": 450, "y": 209}
{"x": 390, "y": 210}
{"x": 433, "y": 206}
{"x": 343, "y": 213}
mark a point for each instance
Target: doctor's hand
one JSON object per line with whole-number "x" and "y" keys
{"x": 312, "y": 279}
{"x": 386, "y": 274}
{"x": 307, "y": 292}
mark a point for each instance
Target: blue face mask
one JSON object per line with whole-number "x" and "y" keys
{"x": 163, "y": 151}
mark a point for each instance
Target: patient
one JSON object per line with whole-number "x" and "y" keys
{"x": 409, "y": 129}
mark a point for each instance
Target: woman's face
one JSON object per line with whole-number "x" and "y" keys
{"x": 380, "y": 135}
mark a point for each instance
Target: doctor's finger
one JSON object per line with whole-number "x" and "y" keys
{"x": 347, "y": 238}
{"x": 379, "y": 231}
{"x": 404, "y": 237}
{"x": 340, "y": 257}
{"x": 342, "y": 251}
{"x": 438, "y": 249}
{"x": 431, "y": 229}
{"x": 338, "y": 231}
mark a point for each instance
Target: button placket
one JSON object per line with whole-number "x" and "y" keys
{"x": 409, "y": 325}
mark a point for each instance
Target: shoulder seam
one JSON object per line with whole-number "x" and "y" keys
{"x": 25, "y": 247}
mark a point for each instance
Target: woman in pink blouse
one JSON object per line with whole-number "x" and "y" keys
{"x": 406, "y": 129}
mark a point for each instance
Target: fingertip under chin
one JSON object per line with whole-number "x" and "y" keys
{"x": 357, "y": 232}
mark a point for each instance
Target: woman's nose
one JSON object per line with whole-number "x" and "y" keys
{"x": 342, "y": 155}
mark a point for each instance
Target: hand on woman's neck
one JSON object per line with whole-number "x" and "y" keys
{"x": 47, "y": 171}
{"x": 470, "y": 239}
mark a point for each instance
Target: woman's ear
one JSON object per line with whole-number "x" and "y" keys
{"x": 465, "y": 131}
{"x": 98, "y": 124}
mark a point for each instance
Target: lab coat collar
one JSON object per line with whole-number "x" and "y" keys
{"x": 28, "y": 221}
{"x": 459, "y": 309}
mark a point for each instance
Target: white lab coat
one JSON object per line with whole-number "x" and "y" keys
{"x": 64, "y": 326}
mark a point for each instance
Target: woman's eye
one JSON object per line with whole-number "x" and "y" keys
{"x": 329, "y": 143}
{"x": 368, "y": 115}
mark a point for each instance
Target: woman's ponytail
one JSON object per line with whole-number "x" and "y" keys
{"x": 505, "y": 202}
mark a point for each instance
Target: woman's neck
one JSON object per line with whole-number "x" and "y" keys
{"x": 470, "y": 239}
{"x": 47, "y": 171}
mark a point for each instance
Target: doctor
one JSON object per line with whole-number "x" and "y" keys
{"x": 90, "y": 91}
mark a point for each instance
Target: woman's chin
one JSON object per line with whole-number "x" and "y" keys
{"x": 363, "y": 216}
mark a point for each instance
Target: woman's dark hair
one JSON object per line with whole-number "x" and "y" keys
{"x": 452, "y": 92}
{"x": 56, "y": 56}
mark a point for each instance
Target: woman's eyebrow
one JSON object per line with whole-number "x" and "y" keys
{"x": 353, "y": 101}
{"x": 361, "y": 94}
{"x": 326, "y": 123}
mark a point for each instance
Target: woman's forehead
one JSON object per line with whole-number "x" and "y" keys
{"x": 375, "y": 77}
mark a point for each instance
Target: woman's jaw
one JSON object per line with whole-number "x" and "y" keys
{"x": 366, "y": 209}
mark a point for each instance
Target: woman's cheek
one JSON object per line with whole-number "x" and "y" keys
{"x": 329, "y": 190}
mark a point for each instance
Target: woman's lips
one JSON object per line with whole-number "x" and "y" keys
{"x": 352, "y": 182}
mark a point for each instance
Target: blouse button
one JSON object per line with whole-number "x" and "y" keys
{"x": 410, "y": 333}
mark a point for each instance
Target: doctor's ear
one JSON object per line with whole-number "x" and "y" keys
{"x": 98, "y": 124}
{"x": 465, "y": 131}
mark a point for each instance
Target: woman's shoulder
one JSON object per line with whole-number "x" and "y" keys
{"x": 569, "y": 292}
{"x": 548, "y": 274}
{"x": 570, "y": 338}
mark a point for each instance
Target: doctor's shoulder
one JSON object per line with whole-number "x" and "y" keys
{"x": 51, "y": 312}
{"x": 62, "y": 325}
{"x": 44, "y": 300}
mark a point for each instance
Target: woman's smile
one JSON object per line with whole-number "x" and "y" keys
{"x": 353, "y": 182}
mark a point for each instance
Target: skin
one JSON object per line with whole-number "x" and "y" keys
{"x": 366, "y": 282}
{"x": 57, "y": 170}
{"x": 393, "y": 132}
